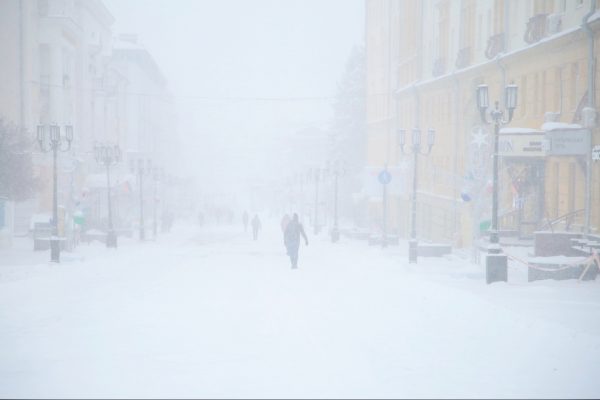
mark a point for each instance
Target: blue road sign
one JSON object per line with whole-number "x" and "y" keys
{"x": 384, "y": 177}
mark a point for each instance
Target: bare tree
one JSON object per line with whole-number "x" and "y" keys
{"x": 17, "y": 181}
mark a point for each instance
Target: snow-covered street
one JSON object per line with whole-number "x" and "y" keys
{"x": 207, "y": 312}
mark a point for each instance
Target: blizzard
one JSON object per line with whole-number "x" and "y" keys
{"x": 209, "y": 312}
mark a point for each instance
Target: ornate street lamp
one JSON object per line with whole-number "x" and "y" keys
{"x": 143, "y": 167}
{"x": 50, "y": 139}
{"x": 108, "y": 155}
{"x": 316, "y": 174}
{"x": 496, "y": 262}
{"x": 157, "y": 174}
{"x": 415, "y": 150}
{"x": 336, "y": 171}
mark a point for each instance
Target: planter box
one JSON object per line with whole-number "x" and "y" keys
{"x": 433, "y": 249}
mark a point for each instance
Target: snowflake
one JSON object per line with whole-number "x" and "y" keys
{"x": 479, "y": 138}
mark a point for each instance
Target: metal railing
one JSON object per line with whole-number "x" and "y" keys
{"x": 567, "y": 218}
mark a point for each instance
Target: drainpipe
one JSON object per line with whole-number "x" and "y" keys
{"x": 591, "y": 61}
{"x": 21, "y": 70}
{"x": 455, "y": 161}
{"x": 592, "y": 110}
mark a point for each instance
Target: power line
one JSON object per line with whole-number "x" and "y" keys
{"x": 217, "y": 98}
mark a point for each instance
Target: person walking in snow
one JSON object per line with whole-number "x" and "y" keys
{"x": 245, "y": 219}
{"x": 255, "y": 226}
{"x": 291, "y": 239}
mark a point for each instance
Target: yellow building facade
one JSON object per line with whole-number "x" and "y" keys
{"x": 425, "y": 60}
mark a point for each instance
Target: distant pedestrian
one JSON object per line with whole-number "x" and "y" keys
{"x": 245, "y": 220}
{"x": 284, "y": 222}
{"x": 291, "y": 239}
{"x": 255, "y": 226}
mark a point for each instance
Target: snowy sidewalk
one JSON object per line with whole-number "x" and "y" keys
{"x": 207, "y": 312}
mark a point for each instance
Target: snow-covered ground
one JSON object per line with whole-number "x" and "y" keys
{"x": 207, "y": 312}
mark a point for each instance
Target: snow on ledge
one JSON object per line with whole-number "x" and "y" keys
{"x": 524, "y": 131}
{"x": 550, "y": 126}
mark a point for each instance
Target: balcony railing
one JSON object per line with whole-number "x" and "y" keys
{"x": 495, "y": 45}
{"x": 536, "y": 28}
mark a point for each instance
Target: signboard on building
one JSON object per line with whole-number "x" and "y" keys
{"x": 522, "y": 145}
{"x": 568, "y": 142}
{"x": 596, "y": 153}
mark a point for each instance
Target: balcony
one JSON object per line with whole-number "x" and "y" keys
{"x": 463, "y": 58}
{"x": 495, "y": 45}
{"x": 536, "y": 28}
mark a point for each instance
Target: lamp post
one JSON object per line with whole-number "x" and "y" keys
{"x": 109, "y": 155}
{"x": 336, "y": 171}
{"x": 156, "y": 175}
{"x": 496, "y": 262}
{"x": 416, "y": 151}
{"x": 317, "y": 175}
{"x": 49, "y": 139}
{"x": 141, "y": 171}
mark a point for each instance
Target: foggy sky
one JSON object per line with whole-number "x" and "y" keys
{"x": 240, "y": 72}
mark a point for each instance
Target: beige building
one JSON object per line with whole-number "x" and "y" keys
{"x": 62, "y": 65}
{"x": 425, "y": 60}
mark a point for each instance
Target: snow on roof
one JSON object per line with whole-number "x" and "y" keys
{"x": 550, "y": 126}
{"x": 521, "y": 50}
{"x": 518, "y": 130}
{"x": 127, "y": 45}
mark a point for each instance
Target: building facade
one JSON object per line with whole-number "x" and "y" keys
{"x": 63, "y": 65}
{"x": 425, "y": 60}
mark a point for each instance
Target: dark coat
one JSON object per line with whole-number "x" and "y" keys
{"x": 293, "y": 231}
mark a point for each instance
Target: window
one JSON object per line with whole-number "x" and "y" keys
{"x": 498, "y": 16}
{"x": 543, "y": 6}
{"x": 536, "y": 91}
{"x": 572, "y": 186}
{"x": 573, "y": 86}
{"x": 479, "y": 31}
{"x": 443, "y": 30}
{"x": 556, "y": 189}
{"x": 523, "y": 94}
{"x": 44, "y": 83}
{"x": 43, "y": 7}
{"x": 467, "y": 26}
{"x": 544, "y": 93}
{"x": 557, "y": 96}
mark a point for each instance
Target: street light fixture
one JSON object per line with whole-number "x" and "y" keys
{"x": 416, "y": 150}
{"x": 109, "y": 155}
{"x": 157, "y": 174}
{"x": 337, "y": 170}
{"x": 496, "y": 262}
{"x": 143, "y": 167}
{"x": 317, "y": 175}
{"x": 49, "y": 139}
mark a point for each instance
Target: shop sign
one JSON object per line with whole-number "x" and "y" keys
{"x": 522, "y": 145}
{"x": 568, "y": 142}
{"x": 596, "y": 153}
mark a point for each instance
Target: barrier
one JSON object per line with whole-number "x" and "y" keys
{"x": 576, "y": 270}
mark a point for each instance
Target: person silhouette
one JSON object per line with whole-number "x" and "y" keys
{"x": 291, "y": 239}
{"x": 256, "y": 225}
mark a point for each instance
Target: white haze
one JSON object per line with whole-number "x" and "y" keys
{"x": 246, "y": 76}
